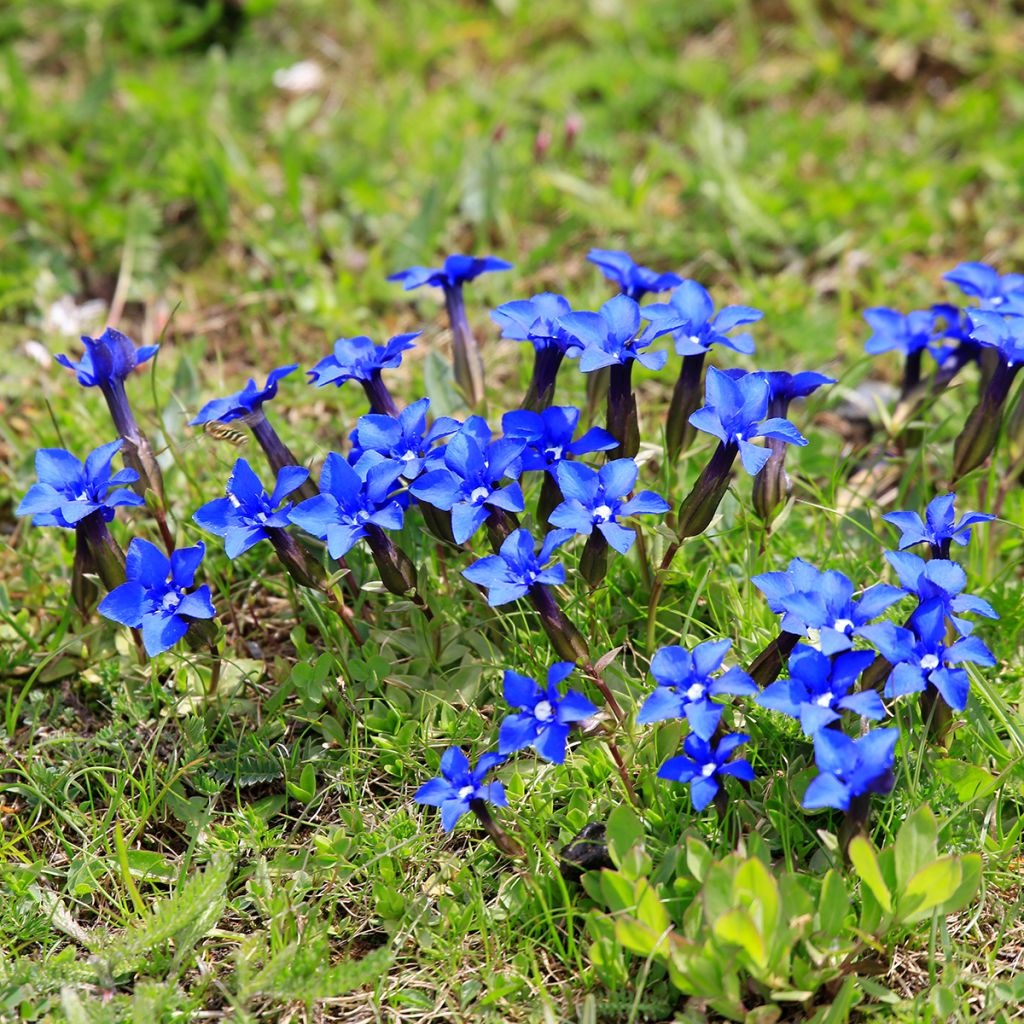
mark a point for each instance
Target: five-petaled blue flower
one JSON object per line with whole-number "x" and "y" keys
{"x": 696, "y": 327}
{"x": 154, "y": 596}
{"x": 685, "y": 686}
{"x": 517, "y": 567}
{"x": 405, "y": 438}
{"x": 702, "y": 765}
{"x": 917, "y": 331}
{"x": 940, "y": 580}
{"x": 455, "y": 271}
{"x": 818, "y": 689}
{"x": 536, "y": 320}
{"x": 597, "y": 498}
{"x": 784, "y": 387}
{"x": 359, "y": 359}
{"x": 735, "y": 413}
{"x": 245, "y": 402}
{"x": 68, "y": 491}
{"x": 939, "y": 526}
{"x": 920, "y": 657}
{"x": 468, "y": 483}
{"x": 850, "y": 768}
{"x": 1002, "y": 332}
{"x": 548, "y": 436}
{"x": 1001, "y": 292}
{"x": 458, "y": 784}
{"x": 352, "y": 500}
{"x": 545, "y": 715}
{"x": 799, "y": 577}
{"x": 110, "y": 357}
{"x": 634, "y": 280}
{"x": 609, "y": 336}
{"x": 245, "y": 515}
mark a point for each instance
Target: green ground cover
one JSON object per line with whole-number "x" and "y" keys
{"x": 258, "y": 856}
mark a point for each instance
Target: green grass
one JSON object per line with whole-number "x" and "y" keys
{"x": 159, "y": 853}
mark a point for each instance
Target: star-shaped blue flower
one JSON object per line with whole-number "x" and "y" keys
{"x": 735, "y": 413}
{"x": 468, "y": 485}
{"x": 359, "y": 359}
{"x": 352, "y": 500}
{"x": 697, "y": 326}
{"x": 920, "y": 657}
{"x": 536, "y": 320}
{"x": 510, "y": 574}
{"x": 685, "y": 686}
{"x": 783, "y": 387}
{"x": 702, "y": 765}
{"x": 455, "y": 271}
{"x": 245, "y": 402}
{"x": 549, "y": 436}
{"x": 597, "y": 498}
{"x": 850, "y": 768}
{"x": 405, "y": 438}
{"x": 999, "y": 292}
{"x": 799, "y": 577}
{"x": 68, "y": 491}
{"x": 245, "y": 515}
{"x": 939, "y": 526}
{"x": 1004, "y": 332}
{"x": 154, "y": 597}
{"x": 818, "y": 689}
{"x": 458, "y": 784}
{"x": 634, "y": 280}
{"x": 917, "y": 331}
{"x": 609, "y": 336}
{"x": 545, "y": 715}
{"x": 109, "y": 358}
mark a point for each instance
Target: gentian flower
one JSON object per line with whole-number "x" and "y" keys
{"x": 549, "y": 436}
{"x": 695, "y": 329}
{"x": 545, "y": 716}
{"x": 154, "y": 596}
{"x": 702, "y": 765}
{"x": 510, "y": 574}
{"x": 685, "y": 686}
{"x": 459, "y": 785}
{"x": 468, "y": 484}
{"x": 783, "y": 387}
{"x": 939, "y": 527}
{"x": 850, "y": 768}
{"x": 818, "y": 689}
{"x": 633, "y": 280}
{"x": 360, "y": 359}
{"x": 108, "y": 361}
{"x": 943, "y": 581}
{"x": 245, "y": 402}
{"x": 457, "y": 270}
{"x": 405, "y": 439}
{"x": 536, "y": 320}
{"x": 1000, "y": 292}
{"x": 920, "y": 657}
{"x": 921, "y": 330}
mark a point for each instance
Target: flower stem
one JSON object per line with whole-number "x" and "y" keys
{"x": 502, "y": 840}
{"x": 686, "y": 398}
{"x": 277, "y": 452}
{"x": 541, "y": 392}
{"x": 622, "y": 422}
{"x": 767, "y": 666}
{"x": 565, "y": 637}
{"x": 467, "y": 366}
{"x": 107, "y": 557}
{"x": 627, "y": 782}
{"x": 380, "y": 398}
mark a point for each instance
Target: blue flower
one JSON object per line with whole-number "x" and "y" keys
{"x": 548, "y": 436}
{"x": 360, "y": 359}
{"x": 735, "y": 412}
{"x": 634, "y": 280}
{"x": 352, "y": 501}
{"x": 68, "y": 491}
{"x": 696, "y": 327}
{"x": 703, "y": 764}
{"x": 920, "y": 657}
{"x": 818, "y": 689}
{"x": 783, "y": 387}
{"x": 850, "y": 768}
{"x": 1001, "y": 292}
{"x": 685, "y": 686}
{"x": 245, "y": 402}
{"x": 458, "y": 785}
{"x": 799, "y": 577}
{"x": 536, "y": 320}
{"x": 1004, "y": 333}
{"x": 248, "y": 512}
{"x": 154, "y": 596}
{"x": 405, "y": 439}
{"x": 474, "y": 466}
{"x": 939, "y": 527}
{"x": 510, "y": 574}
{"x": 830, "y": 609}
{"x": 455, "y": 272}
{"x": 917, "y": 331}
{"x": 110, "y": 357}
{"x": 544, "y": 719}
{"x": 941, "y": 580}
{"x": 609, "y": 336}
{"x": 597, "y": 498}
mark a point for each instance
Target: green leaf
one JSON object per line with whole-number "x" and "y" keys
{"x": 970, "y": 879}
{"x": 969, "y": 781}
{"x": 640, "y": 938}
{"x": 753, "y": 885}
{"x": 698, "y": 858}
{"x": 624, "y": 831}
{"x": 916, "y": 845}
{"x": 865, "y": 862}
{"x": 929, "y": 888}
{"x": 649, "y": 908}
{"x": 738, "y": 928}
{"x": 833, "y": 905}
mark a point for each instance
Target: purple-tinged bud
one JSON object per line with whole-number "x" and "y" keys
{"x": 107, "y": 557}
{"x": 978, "y": 439}
{"x": 767, "y": 666}
{"x": 541, "y": 392}
{"x": 700, "y": 505}
{"x": 467, "y": 365}
{"x": 277, "y": 452}
{"x": 565, "y": 637}
{"x": 622, "y": 420}
{"x": 687, "y": 396}
{"x": 396, "y": 569}
{"x": 772, "y": 485}
{"x": 594, "y": 560}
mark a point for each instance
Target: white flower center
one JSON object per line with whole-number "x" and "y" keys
{"x": 695, "y": 338}
{"x": 171, "y": 601}
{"x": 82, "y": 495}
{"x": 466, "y": 792}
{"x": 824, "y": 701}
{"x": 407, "y": 456}
{"x": 602, "y": 513}
{"x": 842, "y": 625}
{"x": 996, "y": 300}
{"x": 478, "y": 495}
{"x": 695, "y": 692}
{"x": 235, "y": 503}
{"x": 362, "y": 515}
{"x": 555, "y": 453}
{"x": 740, "y": 436}
{"x": 930, "y": 661}
{"x": 543, "y": 711}
{"x": 261, "y": 517}
{"x": 709, "y": 769}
